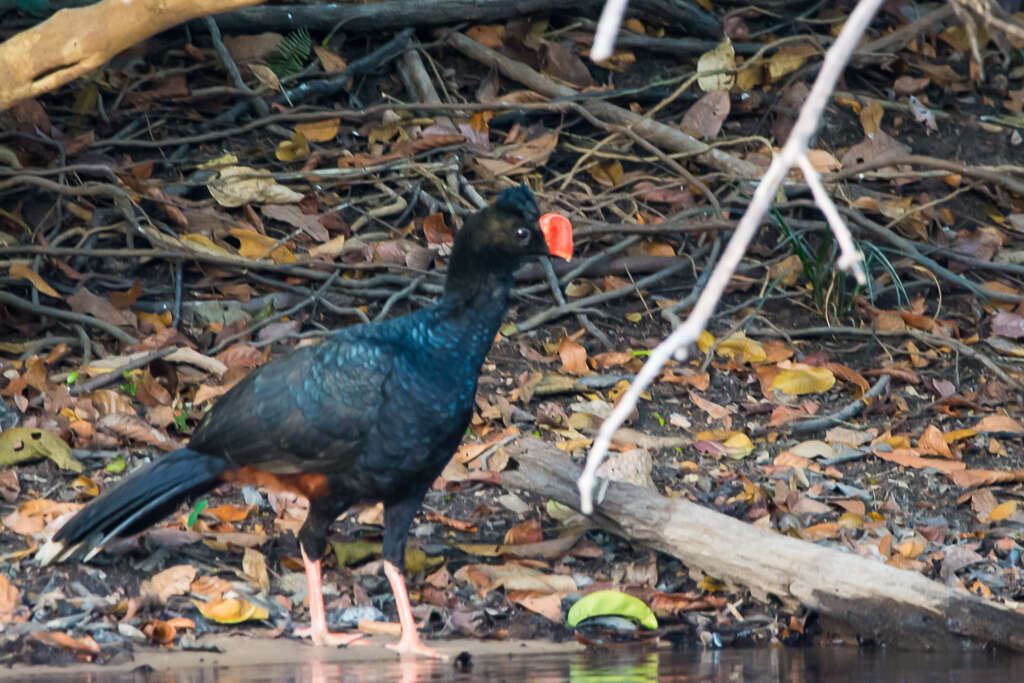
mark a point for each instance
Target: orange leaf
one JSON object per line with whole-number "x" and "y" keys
{"x": 909, "y": 458}
{"x": 574, "y": 358}
{"x": 932, "y": 442}
{"x": 230, "y": 513}
{"x": 527, "y": 532}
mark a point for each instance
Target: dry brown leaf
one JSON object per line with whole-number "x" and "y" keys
{"x": 932, "y": 442}
{"x": 525, "y": 532}
{"x": 85, "y": 644}
{"x": 548, "y": 606}
{"x": 332, "y": 63}
{"x": 574, "y": 358}
{"x": 457, "y": 524}
{"x": 135, "y": 428}
{"x": 972, "y": 478}
{"x": 513, "y": 577}
{"x": 173, "y": 581}
{"x": 254, "y": 566}
{"x": 871, "y": 117}
{"x": 908, "y": 457}
{"x": 84, "y": 301}
{"x": 11, "y": 609}
{"x": 999, "y": 423}
{"x": 704, "y": 119}
{"x": 210, "y": 587}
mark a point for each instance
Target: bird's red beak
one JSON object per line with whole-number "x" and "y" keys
{"x": 558, "y": 234}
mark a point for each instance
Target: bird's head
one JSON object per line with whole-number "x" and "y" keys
{"x": 511, "y": 231}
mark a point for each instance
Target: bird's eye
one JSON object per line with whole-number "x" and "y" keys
{"x": 522, "y": 234}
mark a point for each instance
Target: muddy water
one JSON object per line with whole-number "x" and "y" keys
{"x": 528, "y": 662}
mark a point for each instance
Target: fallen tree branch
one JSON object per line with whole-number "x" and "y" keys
{"x": 73, "y": 42}
{"x": 881, "y": 603}
{"x": 392, "y": 14}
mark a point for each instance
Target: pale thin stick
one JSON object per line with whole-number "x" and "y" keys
{"x": 849, "y": 257}
{"x": 796, "y": 147}
{"x": 608, "y": 29}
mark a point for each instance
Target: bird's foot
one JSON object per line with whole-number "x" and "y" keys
{"x": 321, "y": 637}
{"x": 413, "y": 646}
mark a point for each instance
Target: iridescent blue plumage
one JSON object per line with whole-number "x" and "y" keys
{"x": 519, "y": 200}
{"x": 374, "y": 413}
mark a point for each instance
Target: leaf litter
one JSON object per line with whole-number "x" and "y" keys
{"x": 925, "y": 475}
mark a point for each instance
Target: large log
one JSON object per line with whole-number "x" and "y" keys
{"x": 880, "y": 603}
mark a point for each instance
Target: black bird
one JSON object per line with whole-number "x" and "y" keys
{"x": 374, "y": 413}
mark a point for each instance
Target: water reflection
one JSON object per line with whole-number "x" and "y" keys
{"x": 762, "y": 664}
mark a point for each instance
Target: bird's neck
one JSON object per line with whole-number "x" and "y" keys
{"x": 477, "y": 296}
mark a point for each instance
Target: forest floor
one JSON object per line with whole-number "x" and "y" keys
{"x": 141, "y": 279}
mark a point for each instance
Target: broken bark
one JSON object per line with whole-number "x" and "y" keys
{"x": 881, "y": 603}
{"x": 73, "y": 42}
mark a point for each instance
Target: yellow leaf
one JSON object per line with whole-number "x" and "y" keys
{"x": 257, "y": 246}
{"x": 911, "y": 548}
{"x": 871, "y": 117}
{"x": 635, "y": 25}
{"x": 294, "y": 149}
{"x": 230, "y": 610}
{"x": 709, "y": 585}
{"x": 319, "y": 131}
{"x": 958, "y": 434}
{"x": 203, "y": 240}
{"x": 851, "y": 520}
{"x": 86, "y": 486}
{"x": 705, "y": 341}
{"x": 738, "y": 446}
{"x": 804, "y": 379}
{"x": 20, "y": 270}
{"x": 749, "y": 77}
{"x": 742, "y": 349}
{"x": 607, "y": 173}
{"x": 788, "y": 59}
{"x": 1002, "y": 511}
{"x": 222, "y": 160}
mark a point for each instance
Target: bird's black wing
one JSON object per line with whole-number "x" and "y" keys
{"x": 312, "y": 411}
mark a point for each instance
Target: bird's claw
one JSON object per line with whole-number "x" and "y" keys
{"x": 415, "y": 648}
{"x": 326, "y": 637}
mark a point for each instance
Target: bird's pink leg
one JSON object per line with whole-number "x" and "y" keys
{"x": 317, "y": 629}
{"x": 410, "y": 642}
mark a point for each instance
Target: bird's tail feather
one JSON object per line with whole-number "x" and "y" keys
{"x": 143, "y": 498}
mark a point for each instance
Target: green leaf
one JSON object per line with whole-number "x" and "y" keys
{"x": 354, "y": 552}
{"x": 72, "y": 378}
{"x": 197, "y": 510}
{"x": 611, "y": 603}
{"x": 19, "y": 444}
{"x": 115, "y": 465}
